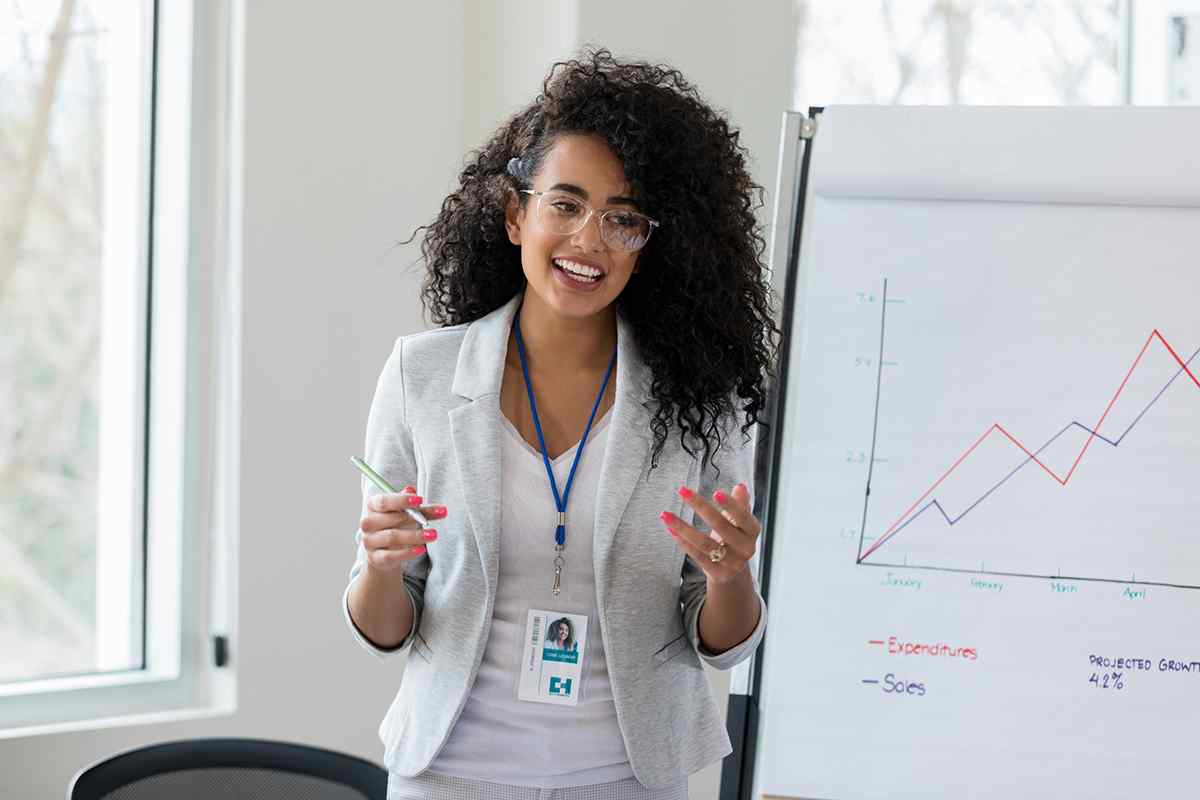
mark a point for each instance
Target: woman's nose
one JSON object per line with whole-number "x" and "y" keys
{"x": 588, "y": 237}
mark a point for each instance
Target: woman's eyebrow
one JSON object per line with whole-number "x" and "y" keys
{"x": 576, "y": 190}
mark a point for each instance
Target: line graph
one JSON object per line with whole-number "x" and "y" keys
{"x": 925, "y": 503}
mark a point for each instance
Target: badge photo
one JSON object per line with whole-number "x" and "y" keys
{"x": 552, "y": 661}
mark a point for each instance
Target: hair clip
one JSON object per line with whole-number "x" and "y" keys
{"x": 514, "y": 167}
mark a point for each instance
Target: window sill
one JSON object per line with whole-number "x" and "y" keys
{"x": 124, "y": 720}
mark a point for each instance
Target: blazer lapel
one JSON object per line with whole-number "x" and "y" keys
{"x": 475, "y": 429}
{"x": 628, "y": 450}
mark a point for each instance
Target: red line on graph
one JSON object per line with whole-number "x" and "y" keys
{"x": 1175, "y": 356}
{"x": 995, "y": 426}
{"x": 1103, "y": 416}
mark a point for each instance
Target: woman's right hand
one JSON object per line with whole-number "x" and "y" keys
{"x": 390, "y": 536}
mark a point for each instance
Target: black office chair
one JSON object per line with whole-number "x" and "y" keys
{"x": 245, "y": 769}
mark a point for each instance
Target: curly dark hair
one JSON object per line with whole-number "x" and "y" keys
{"x": 700, "y": 306}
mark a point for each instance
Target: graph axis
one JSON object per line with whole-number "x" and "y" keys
{"x": 1038, "y": 575}
{"x": 908, "y": 517}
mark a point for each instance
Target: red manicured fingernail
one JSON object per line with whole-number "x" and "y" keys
{"x": 720, "y": 496}
{"x": 667, "y": 517}
{"x": 410, "y": 488}
{"x": 437, "y": 512}
{"x": 686, "y": 493}
{"x": 430, "y": 535}
{"x": 418, "y": 550}
{"x": 415, "y": 500}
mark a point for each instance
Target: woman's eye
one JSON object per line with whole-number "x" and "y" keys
{"x": 566, "y": 207}
{"x": 624, "y": 220}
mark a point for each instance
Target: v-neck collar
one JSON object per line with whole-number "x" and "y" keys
{"x": 597, "y": 426}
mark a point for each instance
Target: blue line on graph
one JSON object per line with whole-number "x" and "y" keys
{"x": 1073, "y": 424}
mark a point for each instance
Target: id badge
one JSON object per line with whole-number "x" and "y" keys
{"x": 552, "y": 657}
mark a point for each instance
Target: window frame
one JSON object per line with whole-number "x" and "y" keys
{"x": 189, "y": 273}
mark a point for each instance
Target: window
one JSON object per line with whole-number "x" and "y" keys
{"x": 994, "y": 52}
{"x": 114, "y": 478}
{"x": 1165, "y": 37}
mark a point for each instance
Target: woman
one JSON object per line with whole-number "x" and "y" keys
{"x": 606, "y": 326}
{"x": 560, "y": 636}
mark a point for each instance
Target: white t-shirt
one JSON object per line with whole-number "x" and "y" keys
{"x": 498, "y": 737}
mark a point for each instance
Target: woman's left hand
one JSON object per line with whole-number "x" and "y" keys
{"x": 724, "y": 552}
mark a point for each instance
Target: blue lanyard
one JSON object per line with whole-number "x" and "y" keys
{"x": 560, "y": 502}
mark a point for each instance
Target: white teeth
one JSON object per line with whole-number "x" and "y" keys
{"x": 580, "y": 270}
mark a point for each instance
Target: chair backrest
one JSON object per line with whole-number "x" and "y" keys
{"x": 253, "y": 769}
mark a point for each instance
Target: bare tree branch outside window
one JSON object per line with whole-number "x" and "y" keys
{"x": 999, "y": 52}
{"x": 51, "y": 146}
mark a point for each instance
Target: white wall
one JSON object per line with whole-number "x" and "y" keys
{"x": 357, "y": 121}
{"x": 739, "y": 54}
{"x": 512, "y": 44}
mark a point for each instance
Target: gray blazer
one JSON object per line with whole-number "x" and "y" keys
{"x": 439, "y": 428}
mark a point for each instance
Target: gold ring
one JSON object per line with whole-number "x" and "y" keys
{"x": 729, "y": 518}
{"x": 717, "y": 553}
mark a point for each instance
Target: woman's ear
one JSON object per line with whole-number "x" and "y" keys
{"x": 512, "y": 218}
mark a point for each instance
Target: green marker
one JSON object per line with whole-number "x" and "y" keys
{"x": 384, "y": 486}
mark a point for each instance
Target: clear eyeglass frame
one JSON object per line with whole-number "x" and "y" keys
{"x": 606, "y": 231}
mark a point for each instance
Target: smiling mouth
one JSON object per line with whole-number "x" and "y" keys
{"x": 581, "y": 273}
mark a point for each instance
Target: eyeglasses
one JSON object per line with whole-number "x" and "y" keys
{"x": 620, "y": 228}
